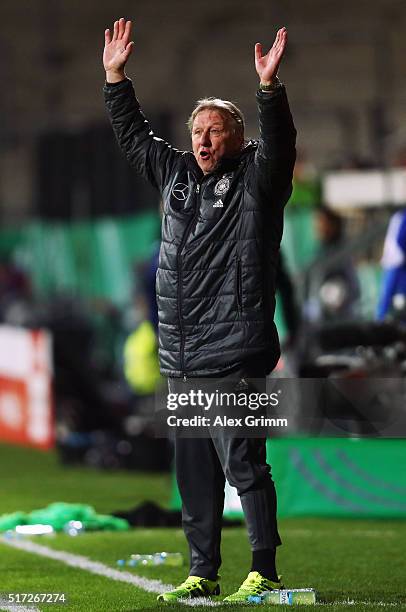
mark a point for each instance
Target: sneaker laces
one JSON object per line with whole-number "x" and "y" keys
{"x": 191, "y": 582}
{"x": 258, "y": 585}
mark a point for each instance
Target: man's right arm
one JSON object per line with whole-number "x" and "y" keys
{"x": 150, "y": 156}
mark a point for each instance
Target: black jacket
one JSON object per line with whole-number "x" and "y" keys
{"x": 220, "y": 237}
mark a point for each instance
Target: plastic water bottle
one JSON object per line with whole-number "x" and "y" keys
{"x": 287, "y": 597}
{"x": 74, "y": 528}
{"x": 159, "y": 558}
{"x": 37, "y": 529}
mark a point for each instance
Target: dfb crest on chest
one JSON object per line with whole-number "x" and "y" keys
{"x": 222, "y": 186}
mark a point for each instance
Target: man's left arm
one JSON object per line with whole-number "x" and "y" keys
{"x": 276, "y": 153}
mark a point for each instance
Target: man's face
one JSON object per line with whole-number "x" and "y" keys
{"x": 213, "y": 137}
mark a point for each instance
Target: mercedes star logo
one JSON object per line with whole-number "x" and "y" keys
{"x": 180, "y": 191}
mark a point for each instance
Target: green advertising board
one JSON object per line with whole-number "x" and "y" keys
{"x": 333, "y": 477}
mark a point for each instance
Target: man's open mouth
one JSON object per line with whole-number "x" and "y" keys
{"x": 204, "y": 154}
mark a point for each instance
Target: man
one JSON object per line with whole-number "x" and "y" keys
{"x": 221, "y": 230}
{"x": 331, "y": 283}
{"x": 393, "y": 289}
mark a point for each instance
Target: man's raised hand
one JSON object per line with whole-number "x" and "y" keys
{"x": 117, "y": 49}
{"x": 267, "y": 65}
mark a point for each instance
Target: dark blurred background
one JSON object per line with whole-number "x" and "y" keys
{"x": 344, "y": 71}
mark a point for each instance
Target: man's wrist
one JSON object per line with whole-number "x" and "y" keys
{"x": 269, "y": 86}
{"x": 114, "y": 76}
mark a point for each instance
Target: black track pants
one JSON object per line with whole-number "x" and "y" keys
{"x": 202, "y": 464}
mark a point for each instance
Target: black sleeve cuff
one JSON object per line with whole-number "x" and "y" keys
{"x": 108, "y": 85}
{"x": 270, "y": 95}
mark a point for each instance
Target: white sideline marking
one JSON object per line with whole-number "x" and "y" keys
{"x": 95, "y": 567}
{"x": 8, "y": 607}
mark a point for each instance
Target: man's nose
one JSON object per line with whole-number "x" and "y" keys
{"x": 205, "y": 139}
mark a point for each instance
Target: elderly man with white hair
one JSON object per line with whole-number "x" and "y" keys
{"x": 222, "y": 225}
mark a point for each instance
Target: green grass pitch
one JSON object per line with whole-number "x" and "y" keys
{"x": 353, "y": 564}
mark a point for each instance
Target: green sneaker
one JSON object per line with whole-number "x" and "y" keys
{"x": 194, "y": 586}
{"x": 255, "y": 584}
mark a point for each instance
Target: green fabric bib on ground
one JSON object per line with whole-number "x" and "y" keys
{"x": 59, "y": 514}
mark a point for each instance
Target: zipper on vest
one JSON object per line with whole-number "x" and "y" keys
{"x": 180, "y": 278}
{"x": 238, "y": 285}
